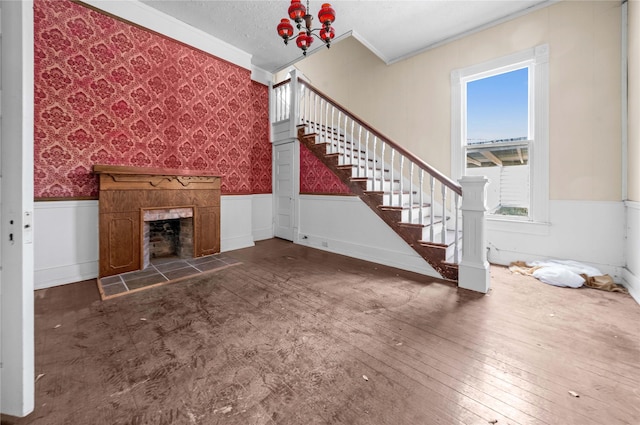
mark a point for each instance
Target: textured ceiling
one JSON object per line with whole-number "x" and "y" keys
{"x": 393, "y": 30}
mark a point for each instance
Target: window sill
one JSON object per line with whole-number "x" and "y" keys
{"x": 514, "y": 225}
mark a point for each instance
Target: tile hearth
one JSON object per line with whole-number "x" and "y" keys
{"x": 160, "y": 272}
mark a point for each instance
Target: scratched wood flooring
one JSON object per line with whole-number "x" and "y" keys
{"x": 299, "y": 336}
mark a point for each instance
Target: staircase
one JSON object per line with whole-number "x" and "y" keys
{"x": 418, "y": 202}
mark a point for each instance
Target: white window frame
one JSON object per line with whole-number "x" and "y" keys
{"x": 537, "y": 60}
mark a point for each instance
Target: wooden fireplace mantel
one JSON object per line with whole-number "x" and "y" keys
{"x": 126, "y": 192}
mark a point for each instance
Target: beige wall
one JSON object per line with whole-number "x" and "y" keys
{"x": 410, "y": 101}
{"x": 633, "y": 157}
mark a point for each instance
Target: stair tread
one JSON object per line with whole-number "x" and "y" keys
{"x": 427, "y": 223}
{"x": 403, "y": 207}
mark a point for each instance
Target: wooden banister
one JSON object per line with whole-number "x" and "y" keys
{"x": 282, "y": 83}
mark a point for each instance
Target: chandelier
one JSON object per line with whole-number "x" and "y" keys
{"x": 300, "y": 14}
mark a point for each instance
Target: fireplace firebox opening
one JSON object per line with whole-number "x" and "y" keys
{"x": 167, "y": 233}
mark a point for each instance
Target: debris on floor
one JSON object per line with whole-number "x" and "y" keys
{"x": 224, "y": 410}
{"x": 566, "y": 273}
{"x": 493, "y": 421}
{"x": 574, "y": 394}
{"x": 365, "y": 377}
{"x": 39, "y": 377}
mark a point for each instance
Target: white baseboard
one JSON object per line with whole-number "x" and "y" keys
{"x": 262, "y": 234}
{"x": 55, "y": 276}
{"x": 400, "y": 260}
{"x": 632, "y": 283}
{"x": 238, "y": 242}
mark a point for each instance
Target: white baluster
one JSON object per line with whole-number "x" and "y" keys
{"x": 411, "y": 193}
{"x": 392, "y": 169}
{"x": 432, "y": 208}
{"x": 307, "y": 115}
{"x": 320, "y": 138}
{"x": 421, "y": 200}
{"x": 315, "y": 113}
{"x": 400, "y": 176}
{"x": 339, "y": 132}
{"x": 359, "y": 149}
{"x": 326, "y": 123}
{"x": 443, "y": 236}
{"x": 366, "y": 155}
{"x": 333, "y": 129}
{"x": 373, "y": 162}
{"x": 382, "y": 167}
{"x": 352, "y": 144}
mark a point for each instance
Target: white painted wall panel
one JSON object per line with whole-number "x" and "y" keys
{"x": 235, "y": 222}
{"x": 262, "y": 216}
{"x": 632, "y": 250}
{"x": 66, "y": 246}
{"x": 65, "y": 242}
{"x": 345, "y": 225}
{"x": 591, "y": 232}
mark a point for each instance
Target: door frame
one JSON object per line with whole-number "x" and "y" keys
{"x": 17, "y": 396}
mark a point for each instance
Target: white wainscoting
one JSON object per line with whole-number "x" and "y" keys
{"x": 65, "y": 242}
{"x": 587, "y": 231}
{"x": 66, "y": 235}
{"x": 235, "y": 222}
{"x": 262, "y": 216}
{"x": 346, "y": 225}
{"x": 631, "y": 272}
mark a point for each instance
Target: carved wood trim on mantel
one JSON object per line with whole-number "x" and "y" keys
{"x": 114, "y": 177}
{"x": 126, "y": 191}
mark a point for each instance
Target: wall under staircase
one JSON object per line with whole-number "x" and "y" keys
{"x": 416, "y": 202}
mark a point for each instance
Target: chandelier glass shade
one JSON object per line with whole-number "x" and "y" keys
{"x": 300, "y": 14}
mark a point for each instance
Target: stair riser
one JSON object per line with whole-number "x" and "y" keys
{"x": 386, "y": 186}
{"x": 425, "y": 234}
{"x": 397, "y": 200}
{"x": 408, "y": 217}
{"x": 369, "y": 172}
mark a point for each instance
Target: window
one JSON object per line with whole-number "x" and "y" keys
{"x": 497, "y": 142}
{"x": 499, "y": 130}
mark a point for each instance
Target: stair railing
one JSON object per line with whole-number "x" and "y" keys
{"x": 427, "y": 198}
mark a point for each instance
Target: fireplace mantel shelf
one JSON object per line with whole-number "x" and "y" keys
{"x": 142, "y": 171}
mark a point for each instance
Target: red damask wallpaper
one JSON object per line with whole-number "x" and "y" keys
{"x": 107, "y": 92}
{"x": 315, "y": 177}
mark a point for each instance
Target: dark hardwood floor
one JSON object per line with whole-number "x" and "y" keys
{"x": 299, "y": 336}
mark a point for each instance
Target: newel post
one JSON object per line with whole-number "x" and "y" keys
{"x": 473, "y": 271}
{"x": 294, "y": 101}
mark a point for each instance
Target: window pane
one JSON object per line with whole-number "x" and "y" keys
{"x": 497, "y": 140}
{"x": 498, "y": 107}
